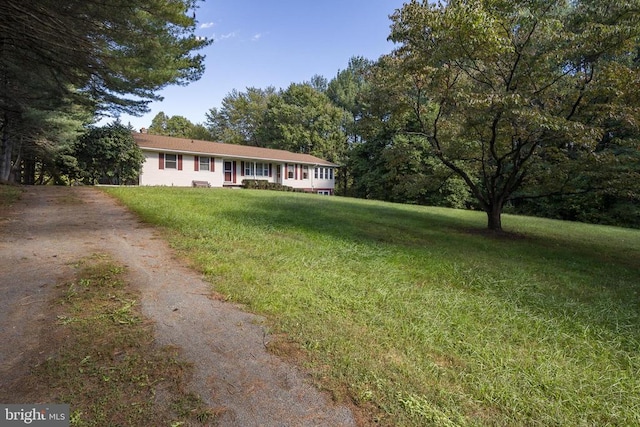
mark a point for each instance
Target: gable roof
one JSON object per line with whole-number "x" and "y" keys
{"x": 193, "y": 146}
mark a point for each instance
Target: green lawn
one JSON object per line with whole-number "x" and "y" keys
{"x": 416, "y": 314}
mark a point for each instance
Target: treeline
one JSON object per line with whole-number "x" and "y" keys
{"x": 361, "y": 120}
{"x": 347, "y": 120}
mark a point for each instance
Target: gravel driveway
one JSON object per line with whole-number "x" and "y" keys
{"x": 52, "y": 227}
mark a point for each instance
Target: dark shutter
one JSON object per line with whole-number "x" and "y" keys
{"x": 241, "y": 168}
{"x": 179, "y": 162}
{"x": 161, "y": 161}
{"x": 196, "y": 163}
{"x": 212, "y": 164}
{"x": 270, "y": 170}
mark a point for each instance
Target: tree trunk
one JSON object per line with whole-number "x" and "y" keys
{"x": 29, "y": 175}
{"x": 6, "y": 152}
{"x": 494, "y": 216}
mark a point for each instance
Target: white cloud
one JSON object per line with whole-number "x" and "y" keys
{"x": 256, "y": 37}
{"x": 207, "y": 25}
{"x": 225, "y": 36}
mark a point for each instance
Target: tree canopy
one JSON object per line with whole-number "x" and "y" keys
{"x": 304, "y": 120}
{"x": 108, "y": 155}
{"x": 497, "y": 86}
{"x": 241, "y": 117}
{"x": 102, "y": 51}
{"x": 108, "y": 57}
{"x": 178, "y": 126}
{"x": 300, "y": 118}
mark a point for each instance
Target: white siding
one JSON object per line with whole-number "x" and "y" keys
{"x": 154, "y": 176}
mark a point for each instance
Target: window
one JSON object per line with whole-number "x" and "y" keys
{"x": 170, "y": 161}
{"x": 204, "y": 163}
{"x": 290, "y": 171}
{"x": 315, "y": 173}
{"x": 305, "y": 172}
{"x": 323, "y": 173}
{"x": 248, "y": 168}
{"x": 324, "y": 192}
{"x": 256, "y": 169}
{"x": 262, "y": 169}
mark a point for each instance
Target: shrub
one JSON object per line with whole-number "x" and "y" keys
{"x": 263, "y": 184}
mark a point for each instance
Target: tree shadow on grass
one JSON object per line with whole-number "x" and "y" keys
{"x": 567, "y": 275}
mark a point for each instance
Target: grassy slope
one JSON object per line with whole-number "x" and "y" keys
{"x": 418, "y": 316}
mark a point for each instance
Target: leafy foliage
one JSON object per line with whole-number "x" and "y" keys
{"x": 387, "y": 160}
{"x": 513, "y": 83}
{"x": 304, "y": 120}
{"x": 108, "y": 155}
{"x": 241, "y": 117}
{"x": 301, "y": 119}
{"x": 103, "y": 51}
{"x": 178, "y": 126}
{"x": 105, "y": 58}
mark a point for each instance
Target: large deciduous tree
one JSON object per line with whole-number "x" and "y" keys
{"x": 110, "y": 56}
{"x": 345, "y": 91}
{"x": 241, "y": 117}
{"x": 300, "y": 118}
{"x": 304, "y": 120}
{"x": 387, "y": 161}
{"x": 500, "y": 87}
{"x": 178, "y": 126}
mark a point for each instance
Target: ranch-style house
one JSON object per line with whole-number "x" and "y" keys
{"x": 184, "y": 162}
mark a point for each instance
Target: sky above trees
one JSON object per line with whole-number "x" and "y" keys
{"x": 261, "y": 44}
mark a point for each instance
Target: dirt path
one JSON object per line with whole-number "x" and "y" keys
{"x": 52, "y": 227}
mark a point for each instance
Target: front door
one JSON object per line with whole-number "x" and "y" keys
{"x": 228, "y": 171}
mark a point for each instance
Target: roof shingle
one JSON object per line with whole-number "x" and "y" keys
{"x": 194, "y": 146}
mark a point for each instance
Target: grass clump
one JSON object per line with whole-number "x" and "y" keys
{"x": 9, "y": 194}
{"x": 417, "y": 314}
{"x": 105, "y": 364}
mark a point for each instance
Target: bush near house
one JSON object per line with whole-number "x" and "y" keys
{"x": 263, "y": 184}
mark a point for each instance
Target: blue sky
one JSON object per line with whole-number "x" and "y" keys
{"x": 274, "y": 43}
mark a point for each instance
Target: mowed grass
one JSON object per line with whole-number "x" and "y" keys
{"x": 415, "y": 313}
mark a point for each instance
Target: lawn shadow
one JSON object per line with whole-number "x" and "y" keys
{"x": 597, "y": 286}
